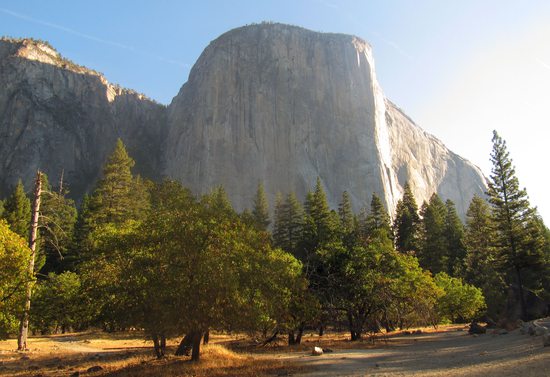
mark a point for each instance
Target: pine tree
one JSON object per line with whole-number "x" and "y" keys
{"x": 218, "y": 202}
{"x": 480, "y": 260}
{"x": 378, "y": 222}
{"x": 347, "y": 218}
{"x": 320, "y": 225}
{"x": 454, "y": 235}
{"x": 433, "y": 253}
{"x": 348, "y": 222}
{"x": 18, "y": 211}
{"x": 118, "y": 196}
{"x": 512, "y": 215}
{"x": 406, "y": 222}
{"x": 260, "y": 209}
{"x": 280, "y": 224}
{"x": 289, "y": 220}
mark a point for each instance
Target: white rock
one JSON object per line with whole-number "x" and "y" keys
{"x": 317, "y": 351}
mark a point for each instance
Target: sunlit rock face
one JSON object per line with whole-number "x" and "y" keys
{"x": 266, "y": 103}
{"x": 282, "y": 105}
{"x": 60, "y": 117}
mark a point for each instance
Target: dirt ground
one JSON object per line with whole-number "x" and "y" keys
{"x": 451, "y": 352}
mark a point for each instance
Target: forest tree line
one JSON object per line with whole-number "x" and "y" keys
{"x": 152, "y": 256}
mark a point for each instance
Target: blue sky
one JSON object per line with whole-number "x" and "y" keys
{"x": 459, "y": 68}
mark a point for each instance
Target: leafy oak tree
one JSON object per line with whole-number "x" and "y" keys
{"x": 14, "y": 276}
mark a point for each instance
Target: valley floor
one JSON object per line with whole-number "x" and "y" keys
{"x": 451, "y": 352}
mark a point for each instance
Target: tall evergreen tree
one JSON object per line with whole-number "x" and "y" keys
{"x": 378, "y": 220}
{"x": 18, "y": 211}
{"x": 348, "y": 221}
{"x": 260, "y": 209}
{"x": 279, "y": 223}
{"x": 480, "y": 260}
{"x": 433, "y": 253}
{"x": 406, "y": 222}
{"x": 345, "y": 212}
{"x": 512, "y": 214}
{"x": 454, "y": 234}
{"x": 218, "y": 202}
{"x": 289, "y": 220}
{"x": 119, "y": 196}
{"x": 321, "y": 224}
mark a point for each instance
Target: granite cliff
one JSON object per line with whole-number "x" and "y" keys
{"x": 283, "y": 105}
{"x": 264, "y": 103}
{"x": 57, "y": 116}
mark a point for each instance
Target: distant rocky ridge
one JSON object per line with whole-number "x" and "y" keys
{"x": 264, "y": 103}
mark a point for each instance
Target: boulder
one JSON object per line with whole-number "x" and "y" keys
{"x": 476, "y": 328}
{"x": 317, "y": 351}
{"x": 95, "y": 368}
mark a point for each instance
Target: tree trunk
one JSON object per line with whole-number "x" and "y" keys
{"x": 195, "y": 355}
{"x": 291, "y": 339}
{"x": 272, "y": 337}
{"x": 298, "y": 339}
{"x": 163, "y": 344}
{"x": 206, "y": 338}
{"x": 24, "y": 325}
{"x": 354, "y": 334}
{"x": 521, "y": 295}
{"x": 321, "y": 330}
{"x": 185, "y": 345}
{"x": 158, "y": 345}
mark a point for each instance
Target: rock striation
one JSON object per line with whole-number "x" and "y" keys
{"x": 282, "y": 105}
{"x": 266, "y": 103}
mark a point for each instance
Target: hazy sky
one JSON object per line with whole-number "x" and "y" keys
{"x": 459, "y": 68}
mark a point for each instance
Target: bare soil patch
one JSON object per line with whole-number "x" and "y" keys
{"x": 451, "y": 353}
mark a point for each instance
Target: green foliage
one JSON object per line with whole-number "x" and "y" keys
{"x": 481, "y": 257}
{"x": 454, "y": 237}
{"x": 288, "y": 226}
{"x": 58, "y": 216}
{"x": 57, "y": 304}
{"x": 1, "y": 209}
{"x": 14, "y": 275}
{"x": 190, "y": 266}
{"x": 518, "y": 239}
{"x": 406, "y": 222}
{"x": 17, "y": 211}
{"x": 321, "y": 226}
{"x": 460, "y": 302}
{"x": 433, "y": 254}
{"x": 260, "y": 209}
{"x": 347, "y": 218}
{"x": 377, "y": 221}
{"x": 119, "y": 196}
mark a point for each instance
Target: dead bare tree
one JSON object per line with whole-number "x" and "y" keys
{"x": 24, "y": 325}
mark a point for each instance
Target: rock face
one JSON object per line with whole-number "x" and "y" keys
{"x": 266, "y": 103}
{"x": 57, "y": 116}
{"x": 283, "y": 105}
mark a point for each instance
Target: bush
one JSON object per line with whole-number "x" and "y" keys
{"x": 460, "y": 302}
